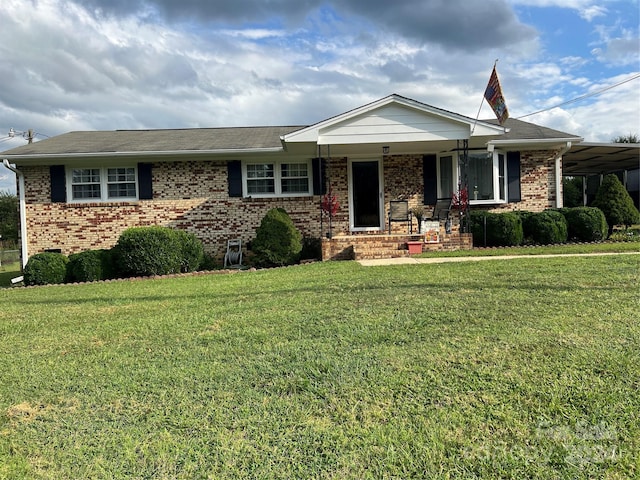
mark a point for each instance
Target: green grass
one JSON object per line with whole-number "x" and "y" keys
{"x": 523, "y": 368}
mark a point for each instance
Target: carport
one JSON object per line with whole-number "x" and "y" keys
{"x": 593, "y": 161}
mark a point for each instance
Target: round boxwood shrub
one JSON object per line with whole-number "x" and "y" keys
{"x": 146, "y": 251}
{"x": 586, "y": 224}
{"x": 192, "y": 251}
{"x": 502, "y": 229}
{"x": 278, "y": 242}
{"x": 545, "y": 228}
{"x": 45, "y": 268}
{"x": 89, "y": 266}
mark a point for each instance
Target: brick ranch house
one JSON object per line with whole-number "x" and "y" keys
{"x": 80, "y": 190}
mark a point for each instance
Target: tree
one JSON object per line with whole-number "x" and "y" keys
{"x": 572, "y": 192}
{"x": 616, "y": 203}
{"x": 631, "y": 138}
{"x": 9, "y": 218}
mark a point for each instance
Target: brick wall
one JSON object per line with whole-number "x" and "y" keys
{"x": 197, "y": 201}
{"x": 537, "y": 182}
{"x": 193, "y": 196}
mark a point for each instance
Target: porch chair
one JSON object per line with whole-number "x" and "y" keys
{"x": 399, "y": 212}
{"x": 441, "y": 210}
{"x": 233, "y": 256}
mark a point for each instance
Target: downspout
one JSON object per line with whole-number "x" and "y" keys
{"x": 24, "y": 255}
{"x": 565, "y": 149}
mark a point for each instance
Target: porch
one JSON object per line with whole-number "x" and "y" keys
{"x": 377, "y": 246}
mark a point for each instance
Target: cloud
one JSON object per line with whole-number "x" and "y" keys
{"x": 454, "y": 24}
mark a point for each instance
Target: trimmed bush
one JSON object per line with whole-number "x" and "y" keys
{"x": 146, "y": 251}
{"x": 502, "y": 229}
{"x": 586, "y": 224}
{"x": 278, "y": 242}
{"x": 45, "y": 269}
{"x": 545, "y": 228}
{"x": 311, "y": 248}
{"x": 85, "y": 266}
{"x": 616, "y": 203}
{"x": 192, "y": 251}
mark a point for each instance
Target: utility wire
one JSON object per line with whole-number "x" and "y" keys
{"x": 582, "y": 97}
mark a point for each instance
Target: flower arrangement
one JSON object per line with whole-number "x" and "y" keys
{"x": 418, "y": 212}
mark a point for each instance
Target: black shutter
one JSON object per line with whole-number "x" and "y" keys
{"x": 513, "y": 177}
{"x": 234, "y": 177}
{"x": 319, "y": 166}
{"x": 430, "y": 179}
{"x": 145, "y": 184}
{"x": 58, "y": 184}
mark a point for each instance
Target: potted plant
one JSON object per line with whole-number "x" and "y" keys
{"x": 418, "y": 212}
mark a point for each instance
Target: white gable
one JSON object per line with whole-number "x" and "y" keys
{"x": 392, "y": 123}
{"x": 390, "y": 120}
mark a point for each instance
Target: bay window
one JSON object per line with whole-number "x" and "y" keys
{"x": 485, "y": 173}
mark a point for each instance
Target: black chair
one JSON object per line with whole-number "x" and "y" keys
{"x": 441, "y": 210}
{"x": 399, "y": 212}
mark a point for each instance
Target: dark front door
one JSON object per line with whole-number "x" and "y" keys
{"x": 365, "y": 191}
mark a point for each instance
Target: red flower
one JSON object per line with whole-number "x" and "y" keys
{"x": 460, "y": 199}
{"x": 330, "y": 203}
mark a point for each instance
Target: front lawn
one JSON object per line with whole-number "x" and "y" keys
{"x": 526, "y": 368}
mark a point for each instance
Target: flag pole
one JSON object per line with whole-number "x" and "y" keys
{"x": 481, "y": 103}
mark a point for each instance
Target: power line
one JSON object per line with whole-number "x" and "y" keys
{"x": 582, "y": 97}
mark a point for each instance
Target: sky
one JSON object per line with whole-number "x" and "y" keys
{"x": 68, "y": 65}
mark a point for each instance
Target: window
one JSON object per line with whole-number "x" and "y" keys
{"x": 448, "y": 183}
{"x": 485, "y": 173}
{"x": 261, "y": 179}
{"x": 85, "y": 184}
{"x": 102, "y": 184}
{"x": 277, "y": 179}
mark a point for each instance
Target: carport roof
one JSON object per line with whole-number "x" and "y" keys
{"x": 596, "y": 158}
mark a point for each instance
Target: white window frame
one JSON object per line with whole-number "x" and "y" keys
{"x": 104, "y": 184}
{"x": 497, "y": 157}
{"x": 277, "y": 178}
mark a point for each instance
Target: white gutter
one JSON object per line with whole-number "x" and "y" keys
{"x": 532, "y": 142}
{"x": 24, "y": 255}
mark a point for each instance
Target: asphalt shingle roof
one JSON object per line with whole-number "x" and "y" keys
{"x": 192, "y": 139}
{"x": 211, "y": 139}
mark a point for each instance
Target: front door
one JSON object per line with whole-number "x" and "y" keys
{"x": 365, "y": 195}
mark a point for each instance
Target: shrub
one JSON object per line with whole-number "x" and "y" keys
{"x": 192, "y": 251}
{"x": 616, "y": 203}
{"x": 45, "y": 268}
{"x": 502, "y": 229}
{"x": 545, "y": 228}
{"x": 277, "y": 241}
{"x": 145, "y": 251}
{"x": 209, "y": 262}
{"x": 85, "y": 266}
{"x": 311, "y": 248}
{"x": 586, "y": 224}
